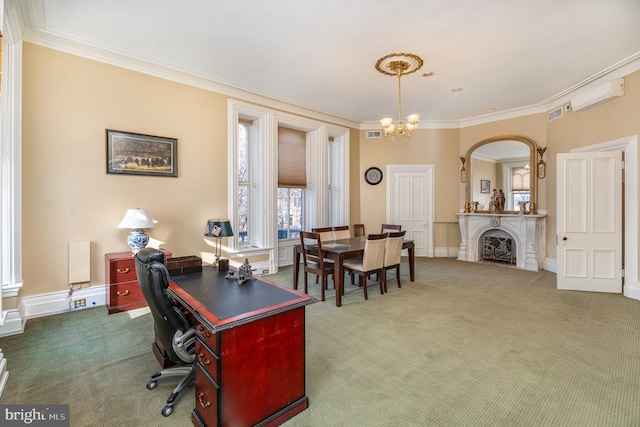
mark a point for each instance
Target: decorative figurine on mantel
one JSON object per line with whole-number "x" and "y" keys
{"x": 497, "y": 202}
{"x": 244, "y": 273}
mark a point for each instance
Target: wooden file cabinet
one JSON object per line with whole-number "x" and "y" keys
{"x": 123, "y": 291}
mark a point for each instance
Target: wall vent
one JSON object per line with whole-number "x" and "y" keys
{"x": 555, "y": 114}
{"x": 374, "y": 134}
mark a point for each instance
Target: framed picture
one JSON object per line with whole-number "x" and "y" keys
{"x": 136, "y": 154}
{"x": 485, "y": 186}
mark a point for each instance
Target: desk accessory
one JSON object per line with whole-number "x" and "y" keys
{"x": 244, "y": 273}
{"x": 137, "y": 220}
{"x": 218, "y": 228}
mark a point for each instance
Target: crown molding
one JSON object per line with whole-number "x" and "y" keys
{"x": 84, "y": 49}
{"x": 31, "y": 21}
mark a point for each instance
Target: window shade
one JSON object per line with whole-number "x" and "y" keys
{"x": 292, "y": 158}
{"x": 520, "y": 180}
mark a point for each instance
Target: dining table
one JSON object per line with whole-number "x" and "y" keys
{"x": 340, "y": 250}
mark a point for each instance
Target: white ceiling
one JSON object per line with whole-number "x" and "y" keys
{"x": 505, "y": 54}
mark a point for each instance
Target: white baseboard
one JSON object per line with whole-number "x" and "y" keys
{"x": 14, "y": 323}
{"x": 4, "y": 374}
{"x": 632, "y": 290}
{"x": 47, "y": 304}
{"x": 550, "y": 264}
{"x": 61, "y": 302}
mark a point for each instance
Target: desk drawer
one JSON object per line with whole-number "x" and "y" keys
{"x": 122, "y": 270}
{"x": 207, "y": 360}
{"x": 123, "y": 295}
{"x": 206, "y": 398}
{"x": 208, "y": 337}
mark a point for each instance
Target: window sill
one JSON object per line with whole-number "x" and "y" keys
{"x": 249, "y": 251}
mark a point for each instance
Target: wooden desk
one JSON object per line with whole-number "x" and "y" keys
{"x": 250, "y": 351}
{"x": 338, "y": 251}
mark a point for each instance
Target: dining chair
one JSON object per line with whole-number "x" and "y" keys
{"x": 341, "y": 232}
{"x": 372, "y": 261}
{"x": 326, "y": 233}
{"x": 359, "y": 230}
{"x": 312, "y": 259}
{"x": 392, "y": 256}
{"x": 385, "y": 228}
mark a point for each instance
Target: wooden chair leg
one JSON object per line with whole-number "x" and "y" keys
{"x": 306, "y": 287}
{"x": 324, "y": 284}
{"x": 382, "y": 278}
{"x": 364, "y": 285}
{"x": 398, "y": 275}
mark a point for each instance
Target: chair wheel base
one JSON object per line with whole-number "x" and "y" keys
{"x": 167, "y": 410}
{"x": 152, "y": 384}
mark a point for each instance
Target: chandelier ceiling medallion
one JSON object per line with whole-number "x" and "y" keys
{"x": 399, "y": 64}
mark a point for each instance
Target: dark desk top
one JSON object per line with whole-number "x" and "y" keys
{"x": 222, "y": 303}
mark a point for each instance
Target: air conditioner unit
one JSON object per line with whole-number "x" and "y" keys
{"x": 598, "y": 95}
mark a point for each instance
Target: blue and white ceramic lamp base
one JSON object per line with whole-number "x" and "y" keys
{"x": 137, "y": 240}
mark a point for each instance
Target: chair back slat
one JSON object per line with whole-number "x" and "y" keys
{"x": 359, "y": 230}
{"x": 386, "y": 228}
{"x": 373, "y": 257}
{"x": 311, "y": 248}
{"x": 341, "y": 232}
{"x": 393, "y": 248}
{"x": 325, "y": 233}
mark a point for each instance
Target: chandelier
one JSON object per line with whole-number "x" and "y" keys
{"x": 399, "y": 64}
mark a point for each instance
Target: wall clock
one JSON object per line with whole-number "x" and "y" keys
{"x": 373, "y": 176}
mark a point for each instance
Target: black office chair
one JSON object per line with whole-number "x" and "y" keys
{"x": 174, "y": 331}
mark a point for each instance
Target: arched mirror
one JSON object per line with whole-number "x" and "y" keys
{"x": 508, "y": 163}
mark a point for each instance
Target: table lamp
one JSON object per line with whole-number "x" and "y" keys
{"x": 218, "y": 228}
{"x": 137, "y": 220}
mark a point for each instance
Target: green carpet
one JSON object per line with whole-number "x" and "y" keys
{"x": 464, "y": 345}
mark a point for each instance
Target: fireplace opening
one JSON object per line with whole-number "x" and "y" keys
{"x": 497, "y": 246}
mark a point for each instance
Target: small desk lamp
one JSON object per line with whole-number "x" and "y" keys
{"x": 137, "y": 219}
{"x": 218, "y": 228}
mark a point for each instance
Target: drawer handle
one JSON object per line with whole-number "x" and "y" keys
{"x": 206, "y": 332}
{"x": 203, "y": 404}
{"x": 125, "y": 271}
{"x": 123, "y": 294}
{"x": 206, "y": 362}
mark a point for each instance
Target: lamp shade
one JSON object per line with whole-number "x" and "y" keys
{"x": 218, "y": 228}
{"x": 137, "y": 218}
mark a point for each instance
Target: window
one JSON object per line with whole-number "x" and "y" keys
{"x": 290, "y": 213}
{"x": 267, "y": 213}
{"x": 520, "y": 190}
{"x": 244, "y": 182}
{"x": 292, "y": 179}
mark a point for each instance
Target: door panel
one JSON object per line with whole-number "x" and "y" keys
{"x": 409, "y": 196}
{"x": 589, "y": 221}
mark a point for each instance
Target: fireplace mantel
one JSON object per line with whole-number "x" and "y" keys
{"x": 528, "y": 231}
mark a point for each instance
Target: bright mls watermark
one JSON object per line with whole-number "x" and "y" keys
{"x": 34, "y": 415}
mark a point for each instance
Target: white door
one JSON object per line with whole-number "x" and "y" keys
{"x": 410, "y": 204}
{"x": 589, "y": 221}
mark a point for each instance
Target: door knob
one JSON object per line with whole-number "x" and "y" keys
{"x": 564, "y": 238}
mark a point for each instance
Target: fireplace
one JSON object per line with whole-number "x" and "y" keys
{"x": 498, "y": 249}
{"x": 526, "y": 235}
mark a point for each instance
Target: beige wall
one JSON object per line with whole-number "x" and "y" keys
{"x": 68, "y": 102}
{"x": 438, "y": 147}
{"x": 615, "y": 119}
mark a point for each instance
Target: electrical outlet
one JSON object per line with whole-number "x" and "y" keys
{"x": 265, "y": 271}
{"x": 80, "y": 303}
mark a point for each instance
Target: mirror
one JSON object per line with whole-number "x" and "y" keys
{"x": 507, "y": 162}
